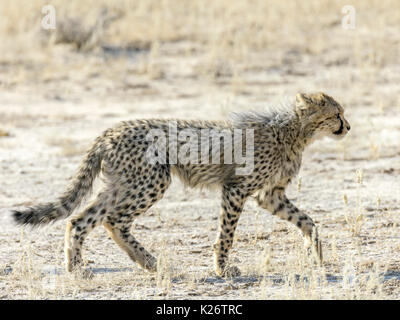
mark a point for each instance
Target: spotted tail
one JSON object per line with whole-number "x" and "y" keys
{"x": 65, "y": 205}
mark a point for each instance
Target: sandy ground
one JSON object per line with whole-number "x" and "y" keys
{"x": 55, "y": 101}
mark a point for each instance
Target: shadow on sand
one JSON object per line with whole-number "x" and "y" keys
{"x": 251, "y": 279}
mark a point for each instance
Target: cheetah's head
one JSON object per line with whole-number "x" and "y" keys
{"x": 322, "y": 115}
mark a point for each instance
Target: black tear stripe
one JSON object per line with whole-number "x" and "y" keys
{"x": 341, "y": 127}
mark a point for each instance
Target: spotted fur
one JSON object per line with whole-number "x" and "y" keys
{"x": 132, "y": 185}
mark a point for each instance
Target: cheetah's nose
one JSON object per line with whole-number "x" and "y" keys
{"x": 348, "y": 127}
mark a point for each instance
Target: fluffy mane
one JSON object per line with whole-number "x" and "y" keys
{"x": 272, "y": 114}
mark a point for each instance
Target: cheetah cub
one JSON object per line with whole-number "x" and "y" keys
{"x": 133, "y": 181}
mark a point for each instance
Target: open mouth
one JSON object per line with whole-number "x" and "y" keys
{"x": 340, "y": 130}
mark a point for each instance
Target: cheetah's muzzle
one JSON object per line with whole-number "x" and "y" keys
{"x": 340, "y": 130}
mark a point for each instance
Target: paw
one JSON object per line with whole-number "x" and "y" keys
{"x": 314, "y": 248}
{"x": 318, "y": 251}
{"x": 87, "y": 274}
{"x": 80, "y": 273}
{"x": 151, "y": 264}
{"x": 230, "y": 272}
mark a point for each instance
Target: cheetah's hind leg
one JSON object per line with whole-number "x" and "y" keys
{"x": 78, "y": 229}
{"x": 138, "y": 195}
{"x": 127, "y": 242}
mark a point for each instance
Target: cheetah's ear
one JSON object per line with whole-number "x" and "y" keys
{"x": 302, "y": 100}
{"x": 304, "y": 105}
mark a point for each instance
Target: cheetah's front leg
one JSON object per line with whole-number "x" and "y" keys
{"x": 276, "y": 202}
{"x": 232, "y": 205}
